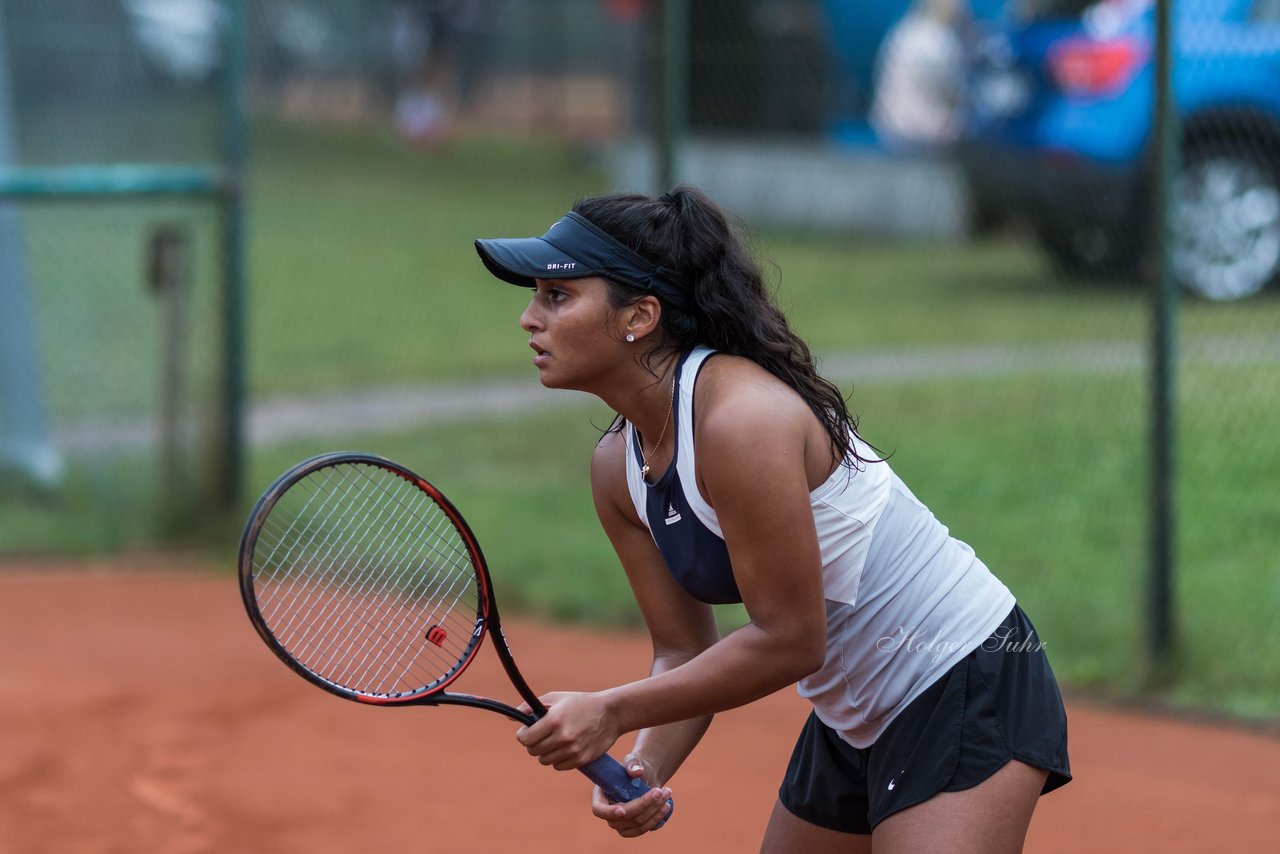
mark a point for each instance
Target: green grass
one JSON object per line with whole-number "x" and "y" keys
{"x": 100, "y": 325}
{"x": 362, "y": 260}
{"x": 362, "y": 271}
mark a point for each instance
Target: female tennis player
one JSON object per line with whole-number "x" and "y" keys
{"x": 735, "y": 473}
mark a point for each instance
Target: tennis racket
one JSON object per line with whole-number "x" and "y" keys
{"x": 364, "y": 579}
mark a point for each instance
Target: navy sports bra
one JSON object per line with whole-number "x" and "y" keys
{"x": 696, "y": 555}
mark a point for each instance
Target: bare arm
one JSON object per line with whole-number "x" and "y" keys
{"x": 751, "y": 453}
{"x": 679, "y": 626}
{"x": 752, "y": 445}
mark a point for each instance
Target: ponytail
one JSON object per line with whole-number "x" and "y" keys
{"x": 730, "y": 309}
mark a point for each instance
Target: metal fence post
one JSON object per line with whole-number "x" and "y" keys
{"x": 673, "y": 88}
{"x": 233, "y": 250}
{"x": 1160, "y": 617}
{"x": 24, "y": 436}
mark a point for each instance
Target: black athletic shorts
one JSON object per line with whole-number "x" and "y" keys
{"x": 1001, "y": 702}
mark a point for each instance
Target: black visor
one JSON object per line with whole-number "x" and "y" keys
{"x": 573, "y": 248}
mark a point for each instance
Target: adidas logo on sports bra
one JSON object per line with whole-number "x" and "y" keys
{"x": 672, "y": 515}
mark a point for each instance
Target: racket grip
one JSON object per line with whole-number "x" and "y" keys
{"x": 607, "y": 773}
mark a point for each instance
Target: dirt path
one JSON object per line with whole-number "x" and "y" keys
{"x": 407, "y": 406}
{"x": 140, "y": 713}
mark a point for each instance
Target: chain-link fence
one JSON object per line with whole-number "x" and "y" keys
{"x": 111, "y": 272}
{"x": 954, "y": 199}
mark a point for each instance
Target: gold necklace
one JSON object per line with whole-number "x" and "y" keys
{"x": 644, "y": 458}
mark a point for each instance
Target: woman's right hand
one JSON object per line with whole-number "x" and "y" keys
{"x": 638, "y": 816}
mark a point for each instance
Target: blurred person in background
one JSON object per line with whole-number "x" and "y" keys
{"x": 919, "y": 82}
{"x": 433, "y": 43}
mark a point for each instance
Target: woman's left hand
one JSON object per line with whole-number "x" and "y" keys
{"x": 576, "y": 729}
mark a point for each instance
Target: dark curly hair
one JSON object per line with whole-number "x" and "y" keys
{"x": 729, "y": 309}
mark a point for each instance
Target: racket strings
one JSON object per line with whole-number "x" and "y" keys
{"x": 308, "y": 537}
{"x": 381, "y": 591}
{"x": 312, "y": 556}
{"x": 364, "y": 579}
{"x": 400, "y": 618}
{"x": 322, "y": 558}
{"x": 287, "y": 537}
{"x": 307, "y": 533}
{"x": 449, "y": 592}
{"x": 383, "y": 601}
{"x": 378, "y": 599}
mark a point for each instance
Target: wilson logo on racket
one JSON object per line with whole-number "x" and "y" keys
{"x": 436, "y": 635}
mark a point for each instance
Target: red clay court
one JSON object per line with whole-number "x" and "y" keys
{"x": 139, "y": 712}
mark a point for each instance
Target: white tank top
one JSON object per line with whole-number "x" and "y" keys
{"x": 905, "y": 600}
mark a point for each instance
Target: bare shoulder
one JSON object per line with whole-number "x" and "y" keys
{"x": 608, "y": 460}
{"x": 735, "y": 394}
{"x": 609, "y": 477}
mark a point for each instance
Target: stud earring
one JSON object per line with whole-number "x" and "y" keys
{"x": 630, "y": 338}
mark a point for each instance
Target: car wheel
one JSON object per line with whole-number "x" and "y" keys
{"x": 1228, "y": 221}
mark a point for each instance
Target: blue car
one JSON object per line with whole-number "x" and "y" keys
{"x": 1061, "y": 134}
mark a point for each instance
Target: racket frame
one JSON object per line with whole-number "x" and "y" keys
{"x": 604, "y": 771}
{"x": 489, "y": 621}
